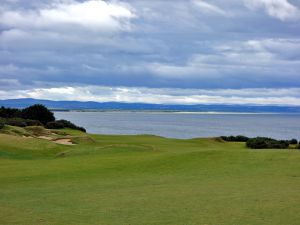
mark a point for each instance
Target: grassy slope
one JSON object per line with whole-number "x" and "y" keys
{"x": 140, "y": 180}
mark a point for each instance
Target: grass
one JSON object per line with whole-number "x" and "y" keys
{"x": 141, "y": 180}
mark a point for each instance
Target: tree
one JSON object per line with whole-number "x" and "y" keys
{"x": 59, "y": 124}
{"x": 293, "y": 141}
{"x": 38, "y": 112}
{"x": 9, "y": 112}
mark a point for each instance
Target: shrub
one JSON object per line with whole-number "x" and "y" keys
{"x": 59, "y": 124}
{"x": 267, "y": 143}
{"x": 20, "y": 122}
{"x": 33, "y": 123}
{"x": 257, "y": 143}
{"x": 293, "y": 141}
{"x": 55, "y": 125}
{"x": 239, "y": 138}
{"x": 38, "y": 112}
{"x": 9, "y": 112}
{"x": 1, "y": 125}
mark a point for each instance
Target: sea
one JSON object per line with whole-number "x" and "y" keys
{"x": 185, "y": 125}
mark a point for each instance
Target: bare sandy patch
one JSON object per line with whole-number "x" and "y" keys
{"x": 46, "y": 138}
{"x": 23, "y": 136}
{"x": 64, "y": 141}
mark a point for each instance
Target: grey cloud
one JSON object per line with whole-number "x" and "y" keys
{"x": 253, "y": 63}
{"x": 163, "y": 95}
{"x": 162, "y": 43}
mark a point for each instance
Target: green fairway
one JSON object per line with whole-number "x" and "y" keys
{"x": 141, "y": 180}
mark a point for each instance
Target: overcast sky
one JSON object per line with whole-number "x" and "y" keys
{"x": 156, "y": 51}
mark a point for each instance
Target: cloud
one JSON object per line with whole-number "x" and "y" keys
{"x": 266, "y": 62}
{"x": 209, "y": 8}
{"x": 283, "y": 48}
{"x": 66, "y": 26}
{"x": 156, "y": 44}
{"x": 92, "y": 15}
{"x": 280, "y": 9}
{"x": 256, "y": 96}
{"x": 9, "y": 83}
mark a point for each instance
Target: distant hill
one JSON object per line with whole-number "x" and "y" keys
{"x": 77, "y": 105}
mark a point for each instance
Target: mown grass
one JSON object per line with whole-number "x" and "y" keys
{"x": 137, "y": 180}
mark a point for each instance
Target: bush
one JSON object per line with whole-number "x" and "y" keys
{"x": 9, "y": 112}
{"x": 293, "y": 141}
{"x": 256, "y": 143}
{"x": 33, "y": 123}
{"x": 38, "y": 112}
{"x": 35, "y": 115}
{"x": 1, "y": 125}
{"x": 267, "y": 143}
{"x": 55, "y": 125}
{"x": 239, "y": 138}
{"x": 59, "y": 124}
{"x": 20, "y": 122}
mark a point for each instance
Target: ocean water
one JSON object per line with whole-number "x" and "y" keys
{"x": 187, "y": 125}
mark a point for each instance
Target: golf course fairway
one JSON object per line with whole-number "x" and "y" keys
{"x": 143, "y": 180}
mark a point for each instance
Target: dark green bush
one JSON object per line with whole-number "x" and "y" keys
{"x": 33, "y": 123}
{"x": 293, "y": 141}
{"x": 267, "y": 143}
{"x": 257, "y": 143}
{"x": 38, "y": 112}
{"x": 59, "y": 124}
{"x": 20, "y": 122}
{"x": 1, "y": 125}
{"x": 35, "y": 115}
{"x": 55, "y": 125}
{"x": 9, "y": 112}
{"x": 239, "y": 138}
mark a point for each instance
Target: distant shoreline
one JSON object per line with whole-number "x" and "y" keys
{"x": 146, "y": 107}
{"x": 174, "y": 112}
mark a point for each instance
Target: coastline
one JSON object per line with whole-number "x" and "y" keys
{"x": 176, "y": 112}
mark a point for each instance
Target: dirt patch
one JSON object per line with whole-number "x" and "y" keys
{"x": 64, "y": 141}
{"x": 46, "y": 138}
{"x": 24, "y": 136}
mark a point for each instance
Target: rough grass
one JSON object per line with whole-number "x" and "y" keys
{"x": 141, "y": 180}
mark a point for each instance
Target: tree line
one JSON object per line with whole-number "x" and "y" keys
{"x": 35, "y": 115}
{"x": 263, "y": 142}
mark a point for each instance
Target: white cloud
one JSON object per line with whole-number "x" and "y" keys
{"x": 93, "y": 15}
{"x": 209, "y": 8}
{"x": 280, "y": 9}
{"x": 255, "y": 96}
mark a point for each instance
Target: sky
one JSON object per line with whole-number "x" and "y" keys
{"x": 158, "y": 51}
